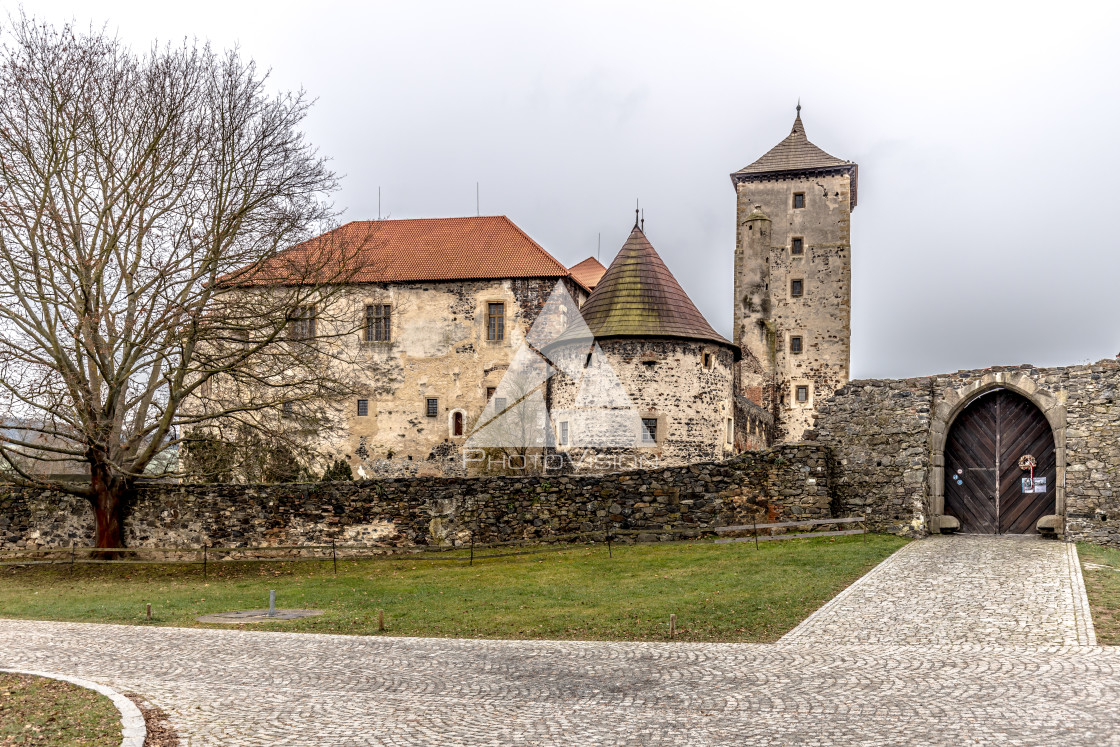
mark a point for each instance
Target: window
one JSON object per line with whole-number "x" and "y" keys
{"x": 649, "y": 430}
{"x": 301, "y": 323}
{"x": 730, "y": 431}
{"x": 495, "y": 321}
{"x": 564, "y": 433}
{"x": 795, "y": 344}
{"x": 490, "y": 392}
{"x": 363, "y": 408}
{"x": 457, "y": 424}
{"x": 796, "y": 288}
{"x": 799, "y": 199}
{"x": 707, "y": 360}
{"x": 797, "y": 246}
{"x": 499, "y": 404}
{"x": 377, "y": 323}
{"x": 433, "y": 407}
{"x": 286, "y": 409}
{"x": 802, "y": 393}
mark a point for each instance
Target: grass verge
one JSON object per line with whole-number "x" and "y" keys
{"x": 40, "y": 711}
{"x": 726, "y": 592}
{"x": 1101, "y": 568}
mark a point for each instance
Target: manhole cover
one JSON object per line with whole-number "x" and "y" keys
{"x": 255, "y": 616}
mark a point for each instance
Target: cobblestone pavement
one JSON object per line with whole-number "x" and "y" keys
{"x": 224, "y": 687}
{"x": 954, "y": 589}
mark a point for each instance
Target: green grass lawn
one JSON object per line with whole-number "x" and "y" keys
{"x": 39, "y": 711}
{"x": 1101, "y": 568}
{"x": 726, "y": 592}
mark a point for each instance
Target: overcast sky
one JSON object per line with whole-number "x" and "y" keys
{"x": 987, "y": 139}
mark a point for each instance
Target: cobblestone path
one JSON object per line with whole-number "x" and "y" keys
{"x": 224, "y": 687}
{"x": 955, "y": 589}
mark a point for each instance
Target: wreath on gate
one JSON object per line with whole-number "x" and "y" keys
{"x": 1027, "y": 462}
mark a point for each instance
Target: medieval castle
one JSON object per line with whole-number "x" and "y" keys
{"x": 478, "y": 340}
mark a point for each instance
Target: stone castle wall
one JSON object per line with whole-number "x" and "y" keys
{"x": 670, "y": 503}
{"x": 883, "y": 435}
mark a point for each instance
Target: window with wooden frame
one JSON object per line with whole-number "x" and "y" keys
{"x": 457, "y": 424}
{"x": 795, "y": 344}
{"x": 433, "y": 407}
{"x": 797, "y": 245}
{"x": 495, "y": 321}
{"x": 797, "y": 288}
{"x": 563, "y": 432}
{"x": 378, "y": 317}
{"x": 649, "y": 430}
{"x": 802, "y": 393}
{"x": 799, "y": 199}
{"x": 301, "y": 322}
{"x": 363, "y": 408}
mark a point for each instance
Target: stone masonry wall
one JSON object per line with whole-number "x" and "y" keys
{"x": 781, "y": 483}
{"x": 882, "y": 435}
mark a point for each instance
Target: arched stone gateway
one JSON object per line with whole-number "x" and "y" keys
{"x": 978, "y": 435}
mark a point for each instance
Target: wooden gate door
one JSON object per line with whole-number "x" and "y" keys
{"x": 984, "y": 486}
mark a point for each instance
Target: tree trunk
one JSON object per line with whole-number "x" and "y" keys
{"x": 111, "y": 497}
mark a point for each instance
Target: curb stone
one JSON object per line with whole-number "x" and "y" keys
{"x": 134, "y": 731}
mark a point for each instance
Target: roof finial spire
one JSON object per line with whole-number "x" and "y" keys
{"x": 797, "y": 126}
{"x": 799, "y": 106}
{"x": 643, "y": 221}
{"x": 636, "y": 205}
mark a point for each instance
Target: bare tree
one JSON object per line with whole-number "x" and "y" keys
{"x": 146, "y": 292}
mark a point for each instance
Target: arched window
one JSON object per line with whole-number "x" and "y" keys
{"x": 457, "y": 424}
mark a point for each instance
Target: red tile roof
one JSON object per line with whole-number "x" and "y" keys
{"x": 421, "y": 249}
{"x": 588, "y": 273}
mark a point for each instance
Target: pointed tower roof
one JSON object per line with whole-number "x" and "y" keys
{"x": 795, "y": 155}
{"x": 639, "y": 297}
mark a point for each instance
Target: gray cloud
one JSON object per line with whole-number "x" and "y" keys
{"x": 984, "y": 134}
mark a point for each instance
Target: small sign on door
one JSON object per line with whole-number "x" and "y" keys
{"x": 1035, "y": 485}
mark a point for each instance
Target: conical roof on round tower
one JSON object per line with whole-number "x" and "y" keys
{"x": 639, "y": 297}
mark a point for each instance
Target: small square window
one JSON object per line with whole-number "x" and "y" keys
{"x": 564, "y": 433}
{"x": 649, "y": 430}
{"x": 796, "y": 288}
{"x": 795, "y": 344}
{"x": 802, "y": 393}
{"x": 363, "y": 408}
{"x": 490, "y": 392}
{"x": 287, "y": 408}
{"x": 799, "y": 199}
{"x": 433, "y": 407}
{"x": 797, "y": 246}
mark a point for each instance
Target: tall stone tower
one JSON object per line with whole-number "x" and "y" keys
{"x": 793, "y": 278}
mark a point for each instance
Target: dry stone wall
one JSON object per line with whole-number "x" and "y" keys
{"x": 781, "y": 483}
{"x": 884, "y": 433}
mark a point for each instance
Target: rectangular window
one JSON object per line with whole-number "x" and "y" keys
{"x": 490, "y": 392}
{"x": 799, "y": 199}
{"x": 287, "y": 409}
{"x": 363, "y": 408}
{"x": 495, "y": 321}
{"x": 433, "y": 407}
{"x": 301, "y": 323}
{"x": 796, "y": 288}
{"x": 802, "y": 393}
{"x": 730, "y": 431}
{"x": 377, "y": 323}
{"x": 499, "y": 404}
{"x": 564, "y": 433}
{"x": 795, "y": 344}
{"x": 649, "y": 430}
{"x": 797, "y": 246}
{"x": 707, "y": 360}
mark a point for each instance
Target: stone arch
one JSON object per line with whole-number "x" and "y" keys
{"x": 953, "y": 401}
{"x": 457, "y": 423}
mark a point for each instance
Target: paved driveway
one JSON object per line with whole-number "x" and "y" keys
{"x": 826, "y": 683}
